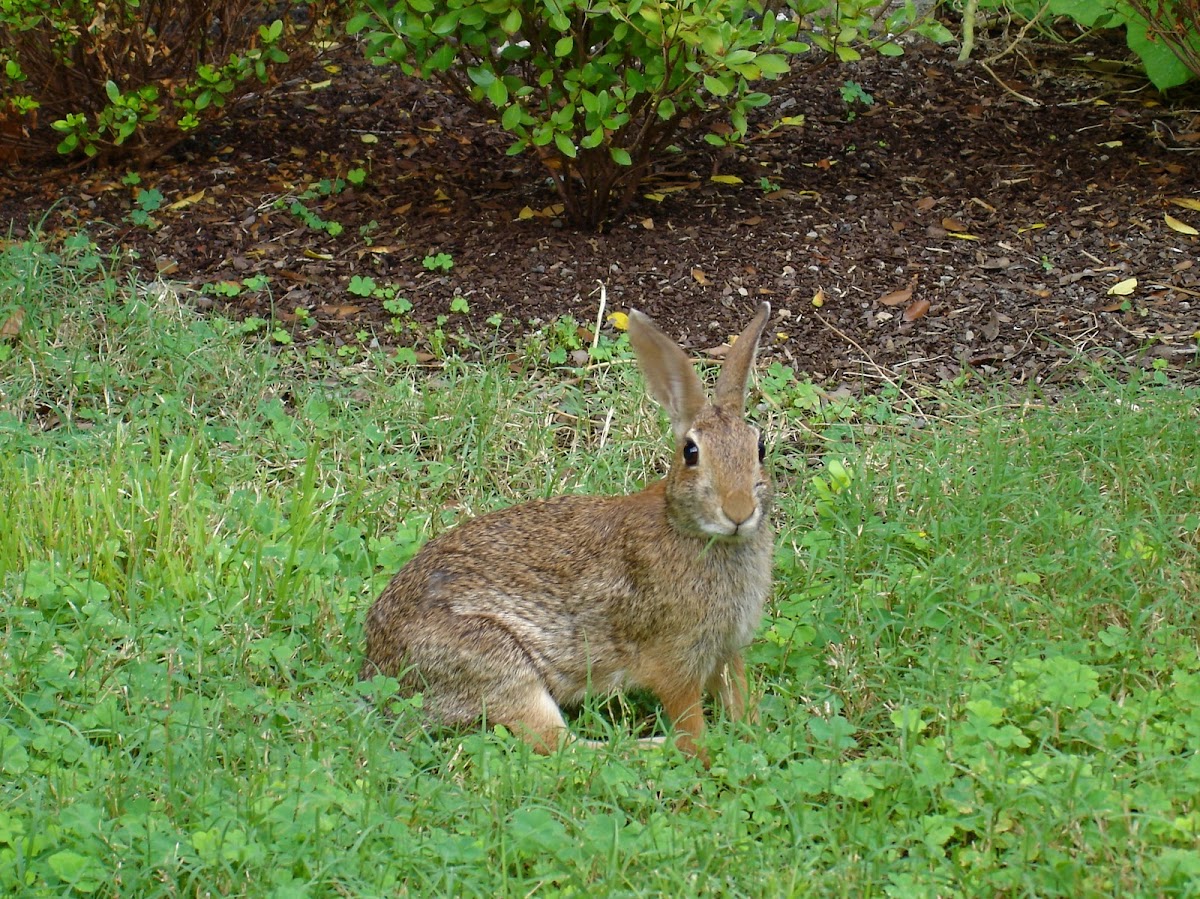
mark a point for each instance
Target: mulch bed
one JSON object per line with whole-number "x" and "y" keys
{"x": 1007, "y": 205}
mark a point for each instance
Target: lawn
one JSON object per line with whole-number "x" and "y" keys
{"x": 979, "y": 676}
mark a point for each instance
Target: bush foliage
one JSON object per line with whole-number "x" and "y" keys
{"x": 1166, "y": 25}
{"x": 599, "y": 89}
{"x": 1164, "y": 34}
{"x": 133, "y": 77}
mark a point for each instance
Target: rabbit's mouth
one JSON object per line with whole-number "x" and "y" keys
{"x": 728, "y": 529}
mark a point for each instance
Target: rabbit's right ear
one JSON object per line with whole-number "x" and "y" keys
{"x": 670, "y": 378}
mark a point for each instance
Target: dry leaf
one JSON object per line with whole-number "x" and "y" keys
{"x": 699, "y": 277}
{"x": 525, "y": 213}
{"x": 953, "y": 224}
{"x": 818, "y": 299}
{"x": 648, "y": 224}
{"x": 961, "y": 236}
{"x": 188, "y": 201}
{"x": 1186, "y": 203}
{"x": 12, "y": 325}
{"x": 726, "y": 179}
{"x": 1123, "y": 288}
{"x": 897, "y": 297}
{"x": 619, "y": 320}
{"x": 916, "y": 310}
{"x": 1182, "y": 227}
{"x": 925, "y": 204}
{"x": 675, "y": 188}
{"x": 657, "y": 198}
{"x": 991, "y": 330}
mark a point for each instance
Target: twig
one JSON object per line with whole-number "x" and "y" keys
{"x": 1006, "y": 88}
{"x": 883, "y": 375}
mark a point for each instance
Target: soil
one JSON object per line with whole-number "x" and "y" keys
{"x": 969, "y": 219}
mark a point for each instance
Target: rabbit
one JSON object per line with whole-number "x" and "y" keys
{"x": 512, "y": 615}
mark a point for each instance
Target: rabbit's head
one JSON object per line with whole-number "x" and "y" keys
{"x": 717, "y": 486}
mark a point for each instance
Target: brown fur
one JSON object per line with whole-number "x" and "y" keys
{"x": 516, "y": 613}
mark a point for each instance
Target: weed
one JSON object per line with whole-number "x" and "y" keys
{"x": 441, "y": 262}
{"x": 146, "y": 202}
{"x": 854, "y": 96}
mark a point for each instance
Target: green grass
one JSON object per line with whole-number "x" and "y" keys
{"x": 980, "y": 674}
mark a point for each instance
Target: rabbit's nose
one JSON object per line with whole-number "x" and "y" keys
{"x": 739, "y": 508}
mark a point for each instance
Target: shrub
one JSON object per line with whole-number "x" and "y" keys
{"x": 133, "y": 77}
{"x": 1165, "y": 34}
{"x": 599, "y": 89}
{"x": 1173, "y": 26}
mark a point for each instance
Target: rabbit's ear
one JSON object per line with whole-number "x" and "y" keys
{"x": 670, "y": 378}
{"x": 730, "y": 392}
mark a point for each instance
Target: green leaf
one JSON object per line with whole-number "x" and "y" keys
{"x": 737, "y": 118}
{"x": 593, "y": 139}
{"x": 497, "y": 93}
{"x": 718, "y": 87}
{"x": 78, "y": 870}
{"x": 442, "y": 59}
{"x": 445, "y": 24}
{"x": 620, "y": 156}
{"x": 564, "y": 144}
{"x": 482, "y": 76}
{"x": 1164, "y": 69}
{"x": 512, "y": 117}
{"x": 511, "y": 23}
{"x": 772, "y": 64}
{"x": 359, "y": 21}
{"x": 564, "y": 45}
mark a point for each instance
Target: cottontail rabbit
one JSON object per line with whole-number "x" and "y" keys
{"x": 515, "y": 613}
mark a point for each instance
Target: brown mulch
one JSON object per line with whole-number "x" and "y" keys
{"x": 1009, "y": 205}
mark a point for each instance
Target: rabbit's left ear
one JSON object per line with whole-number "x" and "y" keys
{"x": 730, "y": 392}
{"x": 670, "y": 378}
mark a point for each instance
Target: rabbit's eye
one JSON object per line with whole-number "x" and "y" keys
{"x": 762, "y": 448}
{"x": 691, "y": 453}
